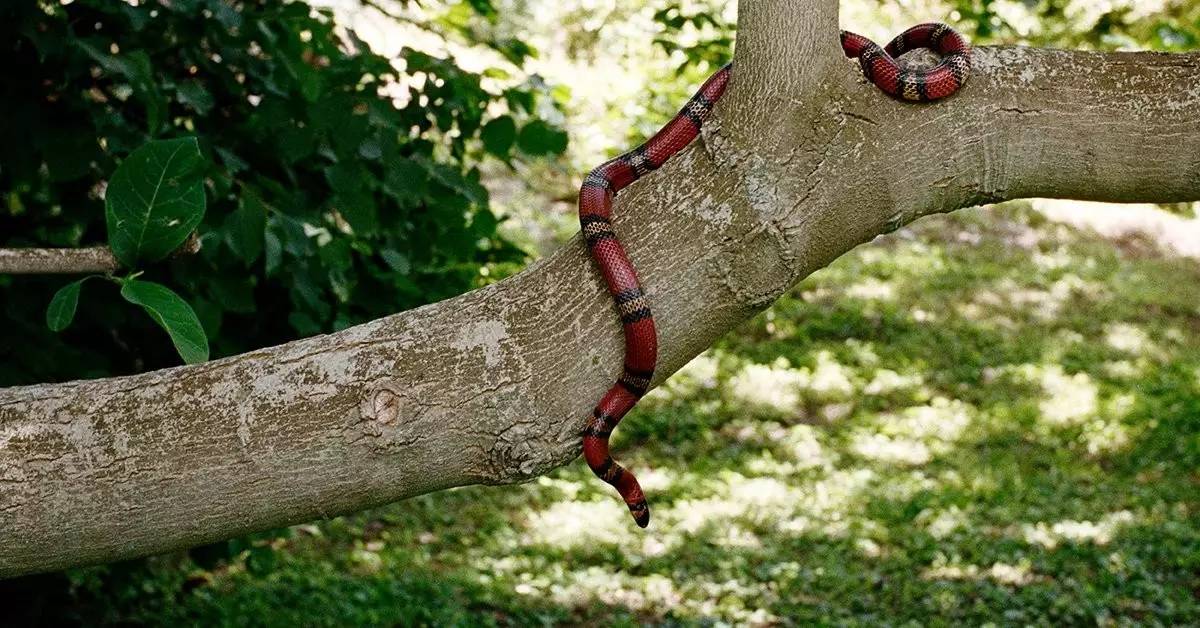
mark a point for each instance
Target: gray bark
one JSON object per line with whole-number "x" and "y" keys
{"x": 802, "y": 162}
{"x": 91, "y": 259}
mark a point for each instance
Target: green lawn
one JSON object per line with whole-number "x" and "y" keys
{"x": 987, "y": 417}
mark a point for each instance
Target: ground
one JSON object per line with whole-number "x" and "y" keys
{"x": 986, "y": 417}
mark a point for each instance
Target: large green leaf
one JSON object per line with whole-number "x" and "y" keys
{"x": 154, "y": 200}
{"x": 173, "y": 314}
{"x": 61, "y": 310}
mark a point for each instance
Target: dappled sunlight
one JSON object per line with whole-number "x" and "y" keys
{"x": 781, "y": 388}
{"x": 891, "y": 449}
{"x": 800, "y": 446}
{"x": 942, "y": 523}
{"x": 580, "y": 587}
{"x": 761, "y": 500}
{"x": 700, "y": 373}
{"x": 818, "y": 506}
{"x": 1075, "y": 401}
{"x": 1110, "y": 435}
{"x": 914, "y": 435}
{"x": 830, "y": 379}
{"x": 906, "y": 484}
{"x": 1019, "y": 574}
{"x": 1057, "y": 259}
{"x": 572, "y": 524}
{"x": 775, "y": 387}
{"x": 1101, "y": 532}
{"x": 872, "y": 289}
{"x": 1068, "y": 399}
{"x": 887, "y": 381}
{"x": 1131, "y": 339}
{"x": 656, "y": 479}
{"x": 914, "y": 257}
{"x": 1045, "y": 304}
{"x": 803, "y": 445}
{"x": 942, "y": 419}
{"x": 1126, "y": 369}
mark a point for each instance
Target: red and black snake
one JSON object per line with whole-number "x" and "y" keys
{"x": 603, "y": 183}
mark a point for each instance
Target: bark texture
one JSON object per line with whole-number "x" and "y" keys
{"x": 95, "y": 259}
{"x": 802, "y": 162}
{"x": 92, "y": 259}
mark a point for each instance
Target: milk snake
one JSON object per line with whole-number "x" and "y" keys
{"x": 603, "y": 183}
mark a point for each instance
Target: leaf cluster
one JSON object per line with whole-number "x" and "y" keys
{"x": 341, "y": 185}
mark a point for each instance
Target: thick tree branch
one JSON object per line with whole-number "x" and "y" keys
{"x": 1118, "y": 127}
{"x": 495, "y": 385}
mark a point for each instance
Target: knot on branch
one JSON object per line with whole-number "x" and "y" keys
{"x": 386, "y": 415}
{"x": 758, "y": 268}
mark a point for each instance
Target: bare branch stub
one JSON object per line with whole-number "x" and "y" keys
{"x": 91, "y": 259}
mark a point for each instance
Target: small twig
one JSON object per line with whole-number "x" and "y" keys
{"x": 92, "y": 259}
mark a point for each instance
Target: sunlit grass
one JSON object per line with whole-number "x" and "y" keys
{"x": 987, "y": 417}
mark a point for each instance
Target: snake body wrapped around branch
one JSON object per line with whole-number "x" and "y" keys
{"x": 601, "y": 185}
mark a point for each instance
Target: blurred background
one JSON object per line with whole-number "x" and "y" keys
{"x": 991, "y": 416}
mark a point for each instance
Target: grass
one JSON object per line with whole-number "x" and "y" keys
{"x": 987, "y": 417}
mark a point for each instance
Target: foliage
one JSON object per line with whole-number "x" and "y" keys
{"x": 1169, "y": 25}
{"x": 339, "y": 187}
{"x": 152, "y": 203}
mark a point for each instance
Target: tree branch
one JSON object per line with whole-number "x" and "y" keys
{"x": 91, "y": 259}
{"x": 494, "y": 386}
{"x": 1117, "y": 127}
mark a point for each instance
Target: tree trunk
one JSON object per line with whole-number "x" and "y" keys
{"x": 803, "y": 161}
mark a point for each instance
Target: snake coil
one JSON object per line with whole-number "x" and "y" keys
{"x": 605, "y": 181}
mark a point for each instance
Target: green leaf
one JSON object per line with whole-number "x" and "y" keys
{"x": 498, "y": 136}
{"x": 272, "y": 253}
{"x": 137, "y": 68}
{"x": 154, "y": 200}
{"x": 406, "y": 180}
{"x": 194, "y": 95}
{"x": 61, "y": 310}
{"x": 352, "y": 196}
{"x": 247, "y": 226}
{"x": 396, "y": 261}
{"x": 173, "y": 314}
{"x": 541, "y": 138}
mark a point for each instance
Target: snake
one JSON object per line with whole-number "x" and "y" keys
{"x": 602, "y": 184}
